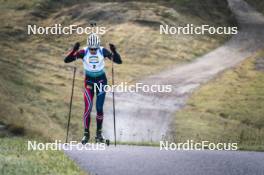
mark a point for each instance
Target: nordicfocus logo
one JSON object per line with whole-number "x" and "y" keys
{"x": 203, "y": 145}
{"x": 190, "y": 29}
{"x": 58, "y": 29}
{"x": 58, "y": 146}
{"x": 138, "y": 87}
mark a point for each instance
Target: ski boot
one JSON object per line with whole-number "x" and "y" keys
{"x": 85, "y": 138}
{"x": 99, "y": 137}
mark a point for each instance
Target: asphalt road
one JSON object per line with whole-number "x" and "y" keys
{"x": 140, "y": 160}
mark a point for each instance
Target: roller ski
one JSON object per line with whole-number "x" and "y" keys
{"x": 100, "y": 138}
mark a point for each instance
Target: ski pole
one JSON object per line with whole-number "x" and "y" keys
{"x": 113, "y": 82}
{"x": 69, "y": 118}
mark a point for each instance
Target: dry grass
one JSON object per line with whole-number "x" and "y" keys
{"x": 227, "y": 109}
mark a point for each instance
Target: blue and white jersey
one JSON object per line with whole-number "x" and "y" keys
{"x": 93, "y": 63}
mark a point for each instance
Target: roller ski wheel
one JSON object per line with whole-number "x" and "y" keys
{"x": 106, "y": 141}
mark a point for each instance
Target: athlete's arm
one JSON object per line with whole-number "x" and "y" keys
{"x": 74, "y": 54}
{"x": 114, "y": 55}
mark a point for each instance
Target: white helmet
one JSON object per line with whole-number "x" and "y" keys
{"x": 93, "y": 41}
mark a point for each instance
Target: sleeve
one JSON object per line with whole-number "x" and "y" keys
{"x": 73, "y": 55}
{"x": 115, "y": 56}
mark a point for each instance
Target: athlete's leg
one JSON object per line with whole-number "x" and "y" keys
{"x": 88, "y": 102}
{"x": 100, "y": 98}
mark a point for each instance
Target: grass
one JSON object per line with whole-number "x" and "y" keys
{"x": 227, "y": 109}
{"x": 16, "y": 159}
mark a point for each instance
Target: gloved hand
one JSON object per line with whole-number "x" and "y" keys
{"x": 112, "y": 48}
{"x": 76, "y": 46}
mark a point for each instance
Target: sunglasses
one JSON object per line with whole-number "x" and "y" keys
{"x": 92, "y": 49}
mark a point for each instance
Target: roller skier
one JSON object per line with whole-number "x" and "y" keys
{"x": 93, "y": 57}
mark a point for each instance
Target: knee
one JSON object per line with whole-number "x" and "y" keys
{"x": 99, "y": 110}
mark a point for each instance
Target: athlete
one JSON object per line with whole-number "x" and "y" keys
{"x": 93, "y": 57}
